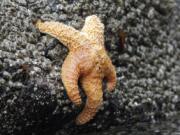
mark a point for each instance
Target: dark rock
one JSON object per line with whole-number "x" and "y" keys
{"x": 32, "y": 97}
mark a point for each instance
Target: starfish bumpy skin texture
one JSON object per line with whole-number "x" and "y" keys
{"x": 87, "y": 61}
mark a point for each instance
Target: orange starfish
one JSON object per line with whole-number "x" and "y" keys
{"x": 87, "y": 61}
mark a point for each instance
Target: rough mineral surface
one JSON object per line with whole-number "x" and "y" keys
{"x": 32, "y": 97}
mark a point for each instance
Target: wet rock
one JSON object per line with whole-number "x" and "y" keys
{"x": 32, "y": 97}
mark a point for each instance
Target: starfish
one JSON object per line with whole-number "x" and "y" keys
{"x": 86, "y": 62}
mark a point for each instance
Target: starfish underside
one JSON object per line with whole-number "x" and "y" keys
{"x": 87, "y": 61}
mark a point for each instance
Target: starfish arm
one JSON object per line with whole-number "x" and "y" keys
{"x": 69, "y": 36}
{"x": 70, "y": 76}
{"x": 93, "y": 91}
{"x": 94, "y": 29}
{"x": 111, "y": 77}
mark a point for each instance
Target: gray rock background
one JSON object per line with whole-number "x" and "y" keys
{"x": 32, "y": 97}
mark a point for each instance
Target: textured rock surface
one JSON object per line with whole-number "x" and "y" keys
{"x": 32, "y": 97}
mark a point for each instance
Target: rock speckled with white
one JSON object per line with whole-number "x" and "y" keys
{"x": 32, "y": 96}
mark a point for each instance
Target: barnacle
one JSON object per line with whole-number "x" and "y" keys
{"x": 87, "y": 61}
